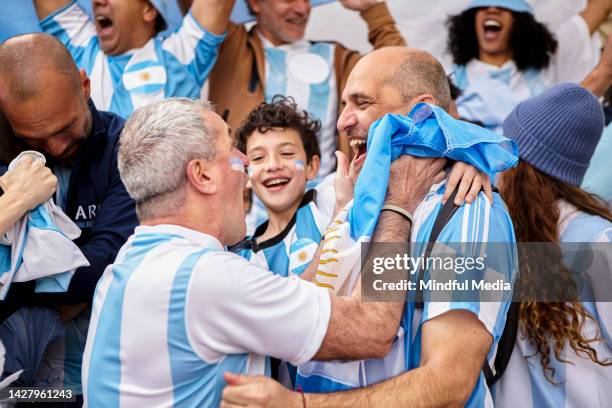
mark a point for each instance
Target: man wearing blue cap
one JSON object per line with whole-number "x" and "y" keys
{"x": 129, "y": 63}
{"x": 499, "y": 45}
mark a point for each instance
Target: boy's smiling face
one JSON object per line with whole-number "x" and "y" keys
{"x": 279, "y": 168}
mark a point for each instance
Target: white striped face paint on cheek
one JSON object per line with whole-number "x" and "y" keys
{"x": 300, "y": 165}
{"x": 236, "y": 164}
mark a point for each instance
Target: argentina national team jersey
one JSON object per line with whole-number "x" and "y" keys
{"x": 479, "y": 223}
{"x": 176, "y": 310}
{"x": 176, "y": 66}
{"x": 290, "y": 252}
{"x": 305, "y": 71}
{"x": 579, "y": 382}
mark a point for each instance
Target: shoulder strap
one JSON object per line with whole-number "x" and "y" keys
{"x": 446, "y": 213}
{"x": 504, "y": 347}
{"x": 506, "y": 342}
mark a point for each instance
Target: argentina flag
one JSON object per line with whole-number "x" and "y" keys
{"x": 428, "y": 131}
{"x": 39, "y": 247}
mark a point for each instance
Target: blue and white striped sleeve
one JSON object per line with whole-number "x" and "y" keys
{"x": 194, "y": 47}
{"x": 484, "y": 230}
{"x": 72, "y": 26}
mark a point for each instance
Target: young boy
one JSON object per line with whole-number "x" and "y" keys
{"x": 281, "y": 144}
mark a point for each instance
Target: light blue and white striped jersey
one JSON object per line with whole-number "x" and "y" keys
{"x": 290, "y": 252}
{"x": 581, "y": 382}
{"x": 480, "y": 223}
{"x": 598, "y": 178}
{"x": 176, "y": 311}
{"x": 164, "y": 67}
{"x": 305, "y": 71}
{"x": 577, "y": 54}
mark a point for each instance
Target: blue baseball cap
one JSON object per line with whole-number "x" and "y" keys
{"x": 514, "y": 5}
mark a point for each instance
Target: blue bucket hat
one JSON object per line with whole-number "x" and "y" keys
{"x": 514, "y": 5}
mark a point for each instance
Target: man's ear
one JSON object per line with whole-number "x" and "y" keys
{"x": 254, "y": 6}
{"x": 85, "y": 84}
{"x": 201, "y": 178}
{"x": 426, "y": 98}
{"x": 149, "y": 12}
{"x": 312, "y": 168}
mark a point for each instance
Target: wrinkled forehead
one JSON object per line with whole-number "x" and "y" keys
{"x": 366, "y": 80}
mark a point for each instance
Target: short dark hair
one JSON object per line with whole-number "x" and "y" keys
{"x": 282, "y": 112}
{"x": 160, "y": 23}
{"x": 532, "y": 43}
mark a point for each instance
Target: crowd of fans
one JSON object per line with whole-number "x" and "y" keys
{"x": 222, "y": 247}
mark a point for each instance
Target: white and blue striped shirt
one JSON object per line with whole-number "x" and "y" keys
{"x": 305, "y": 71}
{"x": 478, "y": 223}
{"x": 581, "y": 382}
{"x": 176, "y": 311}
{"x": 290, "y": 252}
{"x": 164, "y": 67}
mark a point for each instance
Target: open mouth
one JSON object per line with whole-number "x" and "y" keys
{"x": 359, "y": 147}
{"x": 492, "y": 28}
{"x": 296, "y": 21}
{"x": 104, "y": 25}
{"x": 276, "y": 183}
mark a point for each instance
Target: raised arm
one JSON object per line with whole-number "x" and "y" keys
{"x": 600, "y": 78}
{"x": 595, "y": 13}
{"x": 382, "y": 31}
{"x": 352, "y": 322}
{"x": 213, "y": 15}
{"x": 46, "y": 7}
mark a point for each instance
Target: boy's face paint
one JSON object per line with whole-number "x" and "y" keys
{"x": 300, "y": 165}
{"x": 278, "y": 171}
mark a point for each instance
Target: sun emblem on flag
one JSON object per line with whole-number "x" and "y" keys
{"x": 302, "y": 256}
{"x": 145, "y": 76}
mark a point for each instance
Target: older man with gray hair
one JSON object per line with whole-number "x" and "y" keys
{"x": 177, "y": 304}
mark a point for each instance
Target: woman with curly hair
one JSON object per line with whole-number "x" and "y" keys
{"x": 503, "y": 55}
{"x": 563, "y": 350}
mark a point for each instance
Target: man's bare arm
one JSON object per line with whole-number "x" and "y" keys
{"x": 213, "y": 15}
{"x": 47, "y": 7}
{"x": 600, "y": 78}
{"x": 354, "y": 340}
{"x": 353, "y": 323}
{"x": 595, "y": 13}
{"x": 455, "y": 343}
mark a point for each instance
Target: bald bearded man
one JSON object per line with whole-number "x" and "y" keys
{"x": 46, "y": 101}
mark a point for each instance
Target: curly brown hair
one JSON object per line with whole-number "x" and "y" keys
{"x": 283, "y": 113}
{"x": 531, "y": 198}
{"x": 532, "y": 44}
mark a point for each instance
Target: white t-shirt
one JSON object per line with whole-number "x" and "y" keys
{"x": 175, "y": 311}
